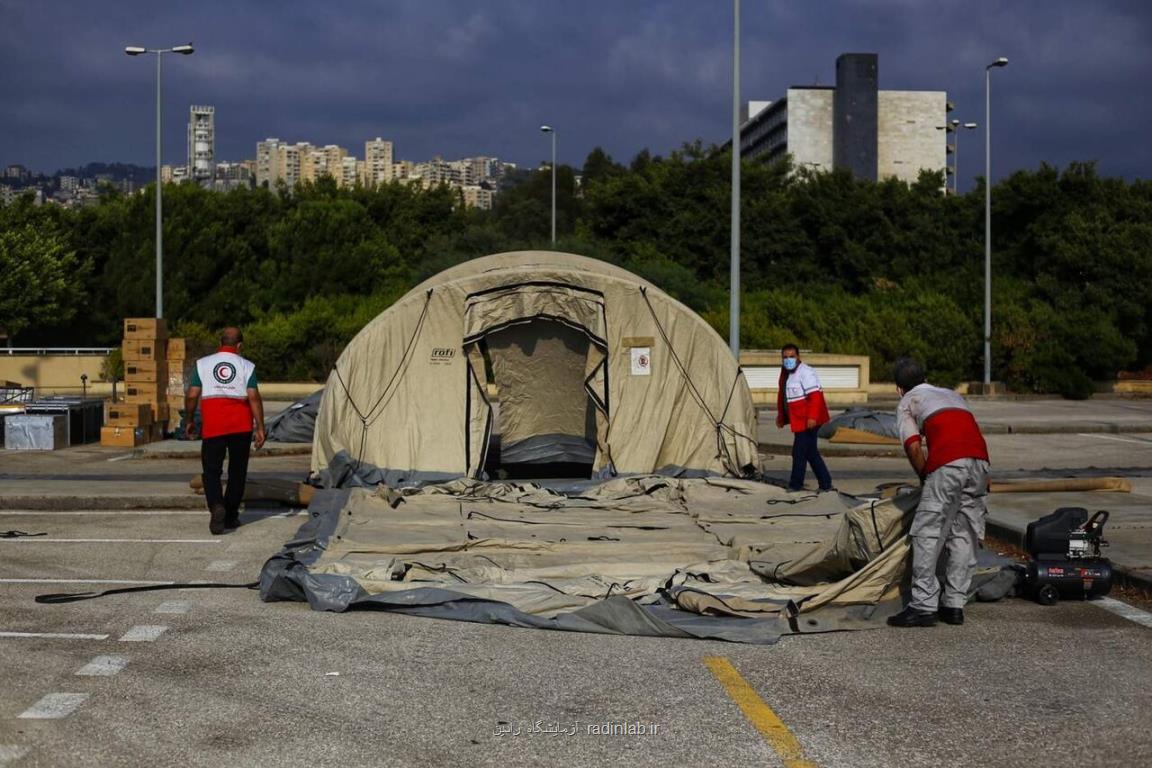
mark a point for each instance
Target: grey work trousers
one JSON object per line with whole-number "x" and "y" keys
{"x": 949, "y": 520}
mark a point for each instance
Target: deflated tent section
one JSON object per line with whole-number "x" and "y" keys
{"x": 412, "y": 397}
{"x": 707, "y": 558}
{"x": 297, "y": 422}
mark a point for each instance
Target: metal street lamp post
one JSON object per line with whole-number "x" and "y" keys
{"x": 734, "y": 266}
{"x": 947, "y": 130}
{"x": 551, "y": 130}
{"x": 956, "y": 126}
{"x": 134, "y": 50}
{"x": 1000, "y": 62}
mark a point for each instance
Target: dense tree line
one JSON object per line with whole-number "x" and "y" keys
{"x": 834, "y": 263}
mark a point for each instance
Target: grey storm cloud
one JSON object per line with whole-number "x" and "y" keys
{"x": 467, "y": 77}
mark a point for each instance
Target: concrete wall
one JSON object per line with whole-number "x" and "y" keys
{"x": 60, "y": 375}
{"x": 51, "y": 373}
{"x": 844, "y": 377}
{"x": 907, "y": 139}
{"x": 810, "y": 127}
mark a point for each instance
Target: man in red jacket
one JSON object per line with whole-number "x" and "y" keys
{"x": 800, "y": 404}
{"x": 949, "y": 521}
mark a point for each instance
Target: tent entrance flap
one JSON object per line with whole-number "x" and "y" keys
{"x": 538, "y": 394}
{"x": 543, "y": 415}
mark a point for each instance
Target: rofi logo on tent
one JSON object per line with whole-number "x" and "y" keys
{"x": 442, "y": 355}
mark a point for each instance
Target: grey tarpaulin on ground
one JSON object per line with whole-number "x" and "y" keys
{"x": 297, "y": 422}
{"x": 697, "y": 558}
{"x": 882, "y": 423}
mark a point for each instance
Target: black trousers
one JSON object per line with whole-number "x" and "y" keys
{"x": 212, "y": 449}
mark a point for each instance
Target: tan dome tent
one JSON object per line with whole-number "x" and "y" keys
{"x": 534, "y": 363}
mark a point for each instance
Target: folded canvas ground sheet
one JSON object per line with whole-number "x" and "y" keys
{"x": 706, "y": 558}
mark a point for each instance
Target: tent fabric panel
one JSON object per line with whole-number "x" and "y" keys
{"x": 406, "y": 373}
{"x": 545, "y": 413}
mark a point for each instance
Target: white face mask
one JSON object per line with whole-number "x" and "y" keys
{"x": 790, "y": 363}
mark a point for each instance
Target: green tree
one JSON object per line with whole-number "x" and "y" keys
{"x": 39, "y": 277}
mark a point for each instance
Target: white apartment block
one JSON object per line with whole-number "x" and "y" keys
{"x": 478, "y": 197}
{"x": 378, "y": 162}
{"x": 267, "y": 162}
{"x": 350, "y": 171}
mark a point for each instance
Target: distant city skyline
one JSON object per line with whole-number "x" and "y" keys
{"x": 459, "y": 79}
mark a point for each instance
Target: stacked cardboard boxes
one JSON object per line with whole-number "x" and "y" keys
{"x": 180, "y": 365}
{"x": 143, "y": 416}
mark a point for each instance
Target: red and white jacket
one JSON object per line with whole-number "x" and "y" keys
{"x": 943, "y": 419}
{"x": 801, "y": 397}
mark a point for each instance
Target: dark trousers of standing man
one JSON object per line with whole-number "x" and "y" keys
{"x": 805, "y": 451}
{"x": 212, "y": 449}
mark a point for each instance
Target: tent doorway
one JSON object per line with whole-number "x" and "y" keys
{"x": 544, "y": 421}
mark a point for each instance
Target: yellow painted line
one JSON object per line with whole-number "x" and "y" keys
{"x": 758, "y": 713}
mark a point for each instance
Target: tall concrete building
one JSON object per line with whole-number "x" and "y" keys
{"x": 853, "y": 125}
{"x": 291, "y": 161}
{"x": 201, "y": 144}
{"x": 322, "y": 161}
{"x": 267, "y": 162}
{"x": 377, "y": 162}
{"x": 854, "y": 114}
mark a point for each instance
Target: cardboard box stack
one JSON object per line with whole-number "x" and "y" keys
{"x": 180, "y": 365}
{"x": 143, "y": 416}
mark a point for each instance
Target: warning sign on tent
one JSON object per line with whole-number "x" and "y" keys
{"x": 641, "y": 361}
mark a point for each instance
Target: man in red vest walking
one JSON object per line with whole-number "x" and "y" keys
{"x": 232, "y": 415}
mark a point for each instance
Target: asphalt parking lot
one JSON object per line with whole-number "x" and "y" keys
{"x": 208, "y": 677}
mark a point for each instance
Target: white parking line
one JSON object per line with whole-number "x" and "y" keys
{"x": 84, "y": 581}
{"x": 221, "y": 565}
{"x": 1143, "y": 618}
{"x": 144, "y": 633}
{"x": 10, "y": 753}
{"x": 102, "y": 512}
{"x": 54, "y": 706}
{"x": 103, "y": 666}
{"x": 54, "y": 635}
{"x": 172, "y": 606}
{"x": 43, "y": 540}
{"x": 1145, "y": 443}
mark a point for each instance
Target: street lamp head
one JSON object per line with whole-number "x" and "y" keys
{"x": 546, "y": 128}
{"x": 969, "y": 126}
{"x": 186, "y": 50}
{"x": 1000, "y": 62}
{"x": 955, "y": 123}
{"x": 135, "y": 50}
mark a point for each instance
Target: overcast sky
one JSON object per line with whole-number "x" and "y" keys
{"x": 472, "y": 77}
